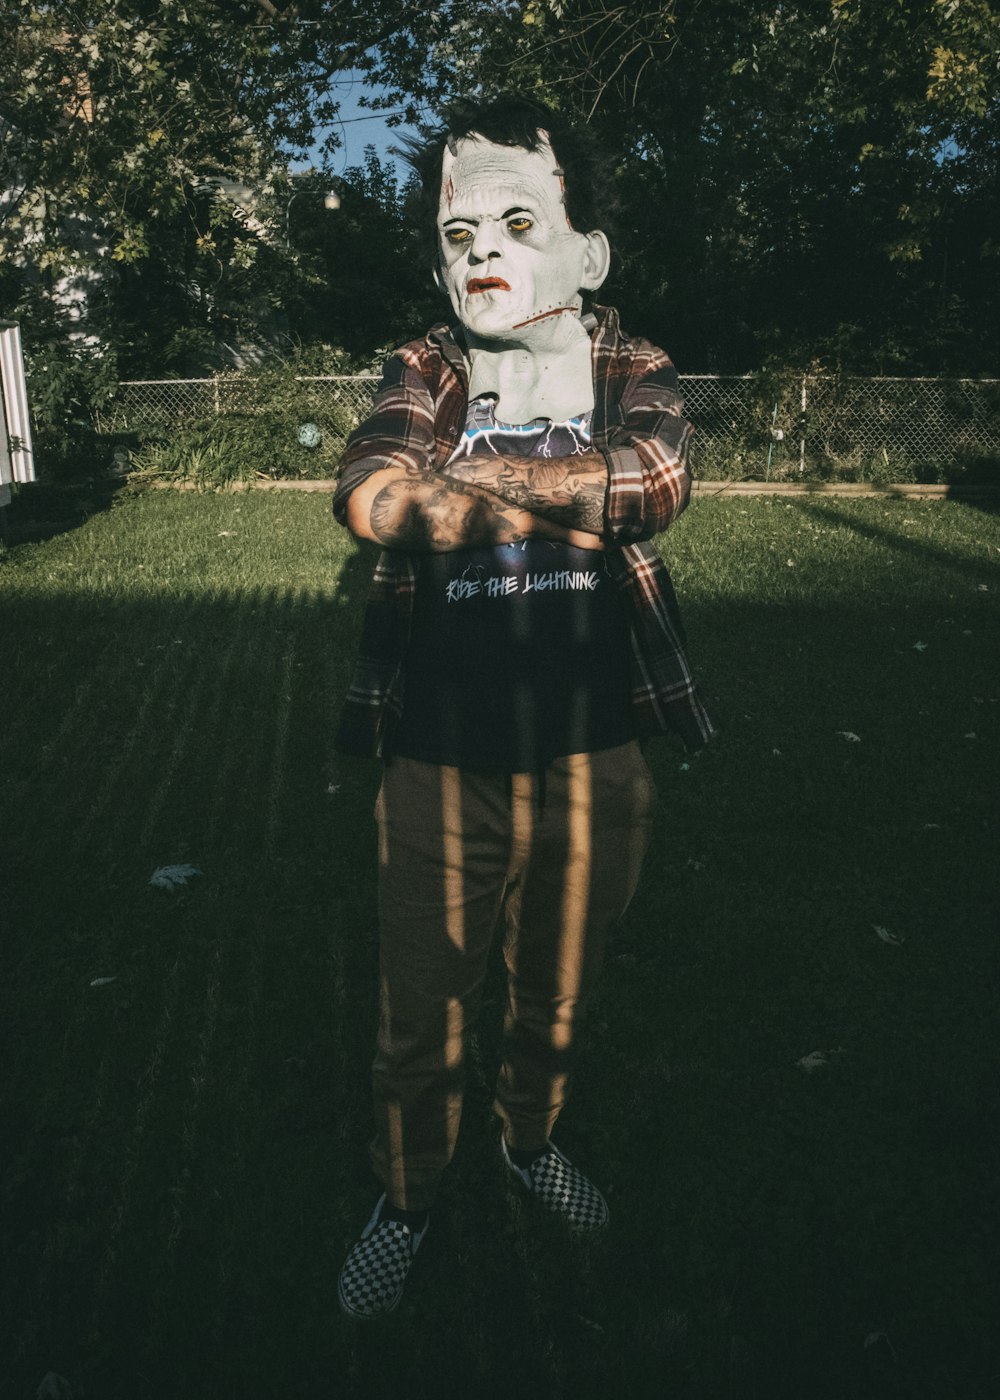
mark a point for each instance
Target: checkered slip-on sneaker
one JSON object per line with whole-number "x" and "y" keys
{"x": 562, "y": 1189}
{"x": 371, "y": 1281}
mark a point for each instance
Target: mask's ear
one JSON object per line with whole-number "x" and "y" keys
{"x": 597, "y": 261}
{"x": 439, "y": 281}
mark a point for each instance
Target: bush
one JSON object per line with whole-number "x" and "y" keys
{"x": 273, "y": 424}
{"x": 237, "y": 448}
{"x": 974, "y": 469}
{"x": 68, "y": 386}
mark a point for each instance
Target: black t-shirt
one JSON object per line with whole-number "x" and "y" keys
{"x": 520, "y": 653}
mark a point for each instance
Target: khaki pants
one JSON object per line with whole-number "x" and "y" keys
{"x": 559, "y": 853}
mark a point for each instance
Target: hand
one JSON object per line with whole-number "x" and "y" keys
{"x": 569, "y": 491}
{"x": 579, "y": 540}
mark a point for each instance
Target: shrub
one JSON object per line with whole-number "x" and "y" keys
{"x": 68, "y": 386}
{"x": 257, "y": 432}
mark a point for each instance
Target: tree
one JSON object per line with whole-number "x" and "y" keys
{"x": 120, "y": 121}
{"x": 797, "y": 180}
{"x": 815, "y": 179}
{"x": 366, "y": 282}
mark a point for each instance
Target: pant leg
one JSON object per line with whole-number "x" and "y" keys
{"x": 579, "y": 871}
{"x": 443, "y": 859}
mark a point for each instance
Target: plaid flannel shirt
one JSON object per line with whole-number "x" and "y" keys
{"x": 417, "y": 420}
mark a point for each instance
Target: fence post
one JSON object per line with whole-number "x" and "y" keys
{"x": 215, "y": 394}
{"x": 802, "y": 431}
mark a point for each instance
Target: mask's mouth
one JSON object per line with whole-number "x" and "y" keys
{"x": 487, "y": 284}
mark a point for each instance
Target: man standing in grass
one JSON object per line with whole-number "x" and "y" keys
{"x": 520, "y": 639}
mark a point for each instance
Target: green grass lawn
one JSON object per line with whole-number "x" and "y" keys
{"x": 185, "y": 1158}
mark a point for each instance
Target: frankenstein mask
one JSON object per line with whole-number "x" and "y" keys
{"x": 509, "y": 259}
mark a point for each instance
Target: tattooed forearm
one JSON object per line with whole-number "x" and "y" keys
{"x": 428, "y": 513}
{"x": 568, "y": 490}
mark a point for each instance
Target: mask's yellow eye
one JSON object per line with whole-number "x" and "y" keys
{"x": 457, "y": 235}
{"x": 520, "y": 224}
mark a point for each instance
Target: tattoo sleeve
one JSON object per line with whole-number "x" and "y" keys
{"x": 567, "y": 490}
{"x": 428, "y": 512}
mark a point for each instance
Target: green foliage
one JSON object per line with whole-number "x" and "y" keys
{"x": 237, "y": 448}
{"x": 795, "y": 181}
{"x": 800, "y": 183}
{"x": 257, "y": 433}
{"x": 365, "y": 274}
{"x": 68, "y": 386}
{"x": 117, "y": 125}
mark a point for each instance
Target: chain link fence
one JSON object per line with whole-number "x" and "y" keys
{"x": 150, "y": 406}
{"x": 759, "y": 425}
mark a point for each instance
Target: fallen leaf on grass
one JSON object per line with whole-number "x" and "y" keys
{"x": 103, "y": 981}
{"x": 333, "y": 788}
{"x": 816, "y": 1059}
{"x": 969, "y": 736}
{"x": 919, "y": 646}
{"x": 851, "y": 738}
{"x": 225, "y": 534}
{"x": 171, "y": 877}
{"x": 931, "y": 826}
{"x": 886, "y": 936}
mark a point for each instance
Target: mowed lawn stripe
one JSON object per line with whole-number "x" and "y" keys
{"x": 131, "y": 1150}
{"x": 191, "y": 1138}
{"x": 118, "y": 801}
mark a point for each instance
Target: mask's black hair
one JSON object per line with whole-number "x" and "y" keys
{"x": 511, "y": 120}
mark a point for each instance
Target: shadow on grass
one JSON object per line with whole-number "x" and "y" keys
{"x": 986, "y": 500}
{"x": 39, "y": 511}
{"x": 920, "y": 549}
{"x": 186, "y": 1075}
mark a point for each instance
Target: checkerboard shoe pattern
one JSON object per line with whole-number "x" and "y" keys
{"x": 371, "y": 1281}
{"x": 560, "y": 1187}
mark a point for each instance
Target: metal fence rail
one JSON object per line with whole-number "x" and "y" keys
{"x": 745, "y": 424}
{"x": 916, "y": 419}
{"x": 148, "y": 406}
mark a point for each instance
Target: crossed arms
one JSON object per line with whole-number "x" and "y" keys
{"x": 398, "y": 488}
{"x": 482, "y": 501}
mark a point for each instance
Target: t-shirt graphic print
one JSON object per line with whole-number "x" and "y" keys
{"x": 518, "y": 654}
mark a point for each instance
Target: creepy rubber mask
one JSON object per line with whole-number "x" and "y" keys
{"x": 508, "y": 256}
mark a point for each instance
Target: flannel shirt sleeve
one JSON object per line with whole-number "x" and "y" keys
{"x": 647, "y": 453}
{"x": 399, "y": 431}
